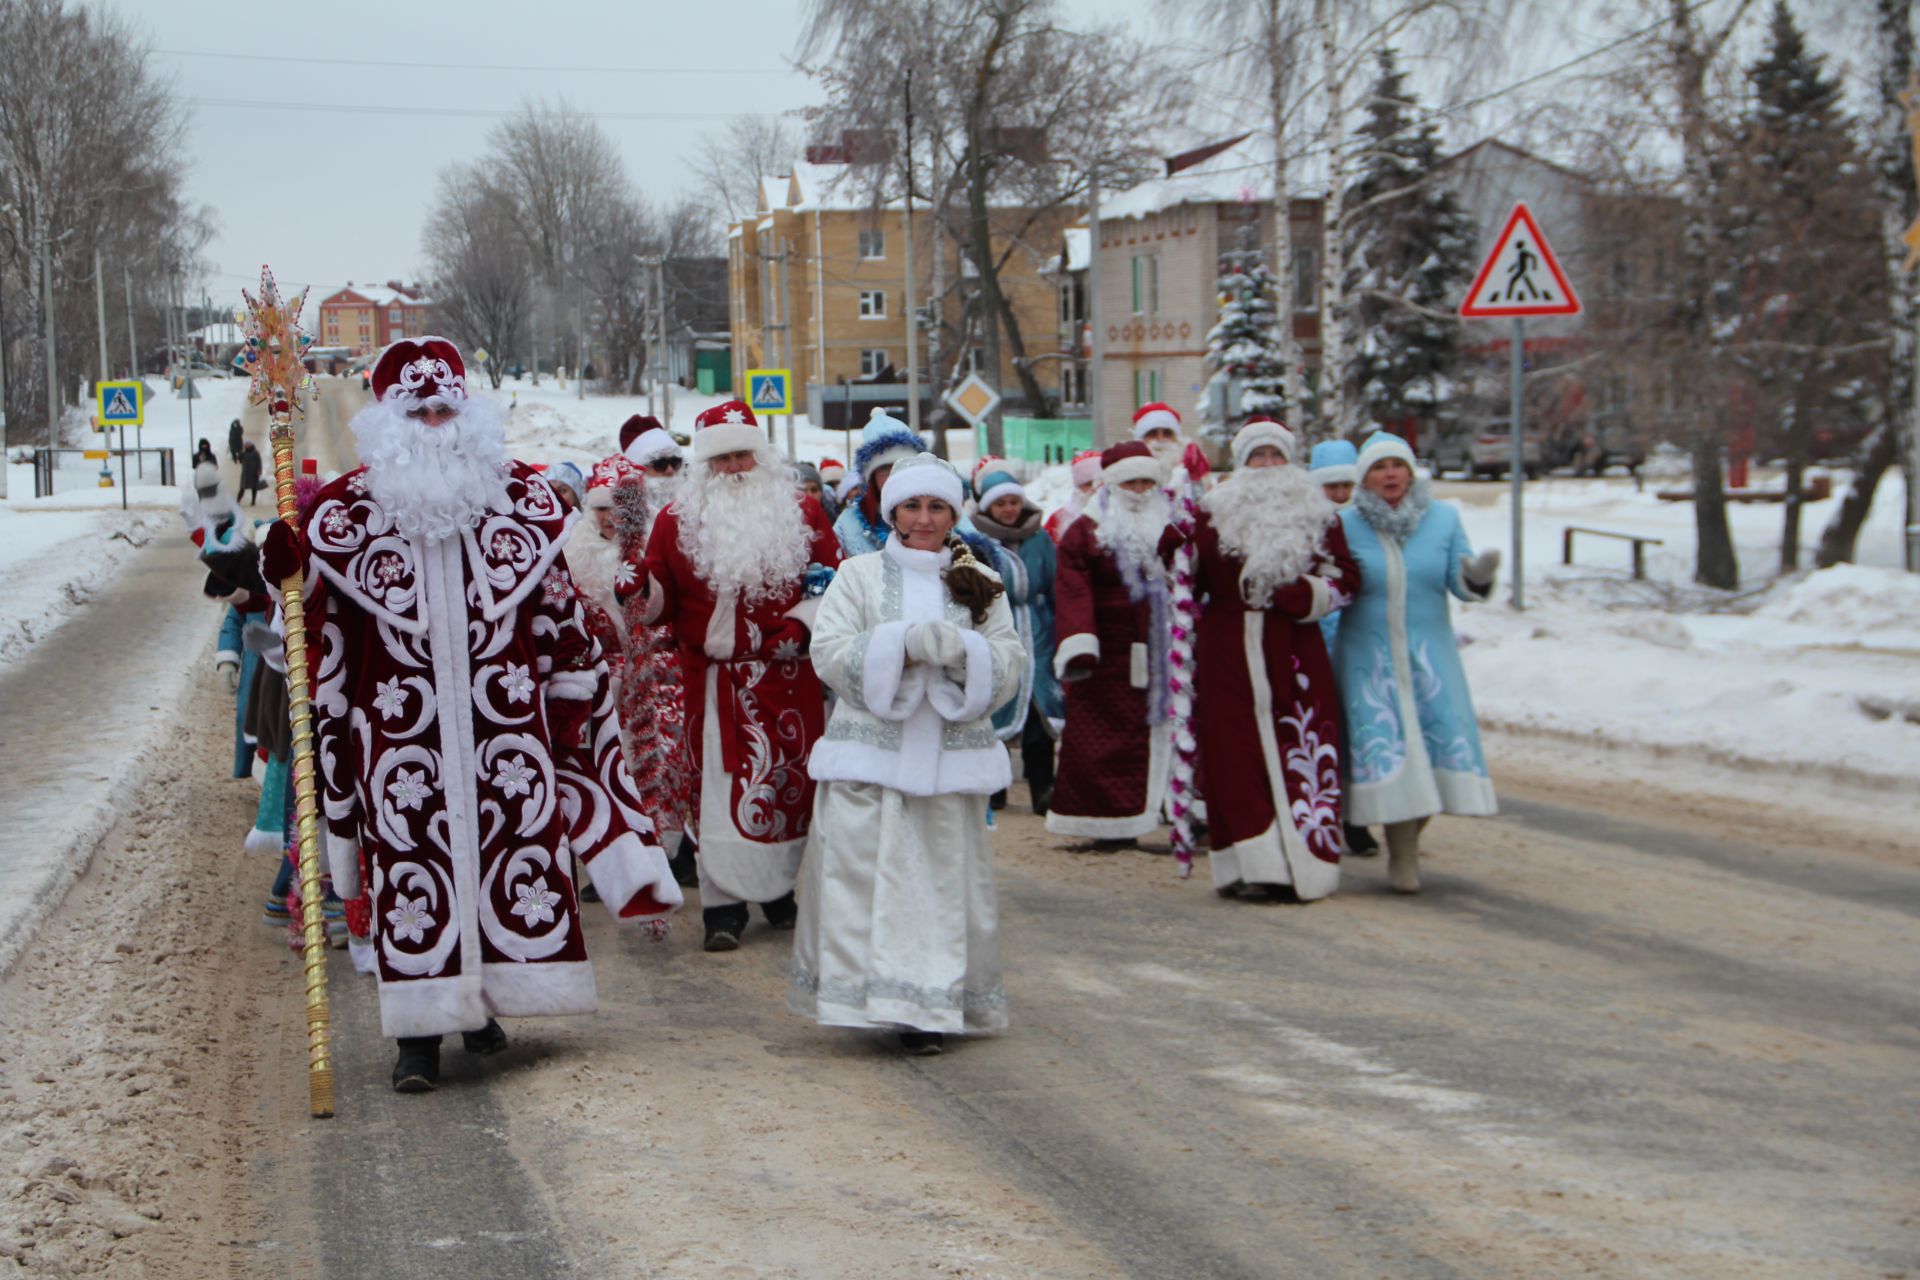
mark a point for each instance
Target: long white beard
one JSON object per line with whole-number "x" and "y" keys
{"x": 434, "y": 481}
{"x": 1274, "y": 518}
{"x": 592, "y": 560}
{"x": 1168, "y": 454}
{"x": 1130, "y": 524}
{"x": 744, "y": 532}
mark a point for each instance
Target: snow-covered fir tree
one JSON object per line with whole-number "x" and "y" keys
{"x": 1244, "y": 346}
{"x": 1408, "y": 248}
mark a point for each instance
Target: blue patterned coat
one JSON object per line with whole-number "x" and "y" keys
{"x": 1398, "y": 663}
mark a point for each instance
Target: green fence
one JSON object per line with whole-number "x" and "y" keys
{"x": 1040, "y": 440}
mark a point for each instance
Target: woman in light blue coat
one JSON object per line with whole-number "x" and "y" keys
{"x": 1026, "y": 565}
{"x": 1398, "y": 661}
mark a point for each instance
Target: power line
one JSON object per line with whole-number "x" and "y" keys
{"x": 473, "y": 66}
{"x": 490, "y": 113}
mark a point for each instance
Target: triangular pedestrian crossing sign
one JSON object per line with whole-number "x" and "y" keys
{"x": 119, "y": 405}
{"x": 766, "y": 393}
{"x": 1521, "y": 277}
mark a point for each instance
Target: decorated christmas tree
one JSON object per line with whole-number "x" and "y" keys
{"x": 1244, "y": 346}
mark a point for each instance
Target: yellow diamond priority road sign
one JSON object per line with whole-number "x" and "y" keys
{"x": 974, "y": 399}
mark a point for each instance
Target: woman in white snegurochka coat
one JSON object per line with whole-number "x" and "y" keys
{"x": 898, "y": 924}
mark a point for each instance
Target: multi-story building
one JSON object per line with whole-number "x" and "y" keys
{"x": 1159, "y": 261}
{"x": 365, "y": 318}
{"x": 837, "y": 315}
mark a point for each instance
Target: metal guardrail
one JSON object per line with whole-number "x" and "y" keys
{"x": 1639, "y": 542}
{"x": 45, "y": 464}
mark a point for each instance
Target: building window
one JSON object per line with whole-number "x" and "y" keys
{"x": 873, "y": 304}
{"x": 394, "y": 315}
{"x": 873, "y": 245}
{"x": 1306, "y": 279}
{"x": 1138, "y": 293}
{"x": 976, "y": 359}
{"x": 1146, "y": 284}
{"x": 1073, "y": 384}
{"x": 1146, "y": 386}
{"x": 872, "y": 361}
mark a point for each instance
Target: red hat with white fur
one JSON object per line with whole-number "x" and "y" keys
{"x": 832, "y": 470}
{"x": 1154, "y": 417}
{"x": 1259, "y": 431}
{"x": 728, "y": 427}
{"x": 1086, "y": 467}
{"x": 607, "y": 475}
{"x": 1128, "y": 460}
{"x": 412, "y": 374}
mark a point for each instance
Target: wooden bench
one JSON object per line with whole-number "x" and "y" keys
{"x": 1639, "y": 546}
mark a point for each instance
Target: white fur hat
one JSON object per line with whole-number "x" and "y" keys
{"x": 920, "y": 476}
{"x": 1380, "y": 446}
{"x": 650, "y": 444}
{"x": 1257, "y": 432}
{"x": 1155, "y": 417}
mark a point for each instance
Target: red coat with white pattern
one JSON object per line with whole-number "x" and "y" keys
{"x": 465, "y": 742}
{"x": 745, "y": 668}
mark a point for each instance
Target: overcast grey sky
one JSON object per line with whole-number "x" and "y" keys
{"x": 351, "y": 205}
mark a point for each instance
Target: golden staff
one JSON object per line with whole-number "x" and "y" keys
{"x": 273, "y": 356}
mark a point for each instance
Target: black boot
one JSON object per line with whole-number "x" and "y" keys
{"x": 782, "y": 912}
{"x": 489, "y": 1039}
{"x": 418, "y": 1068}
{"x": 923, "y": 1044}
{"x": 686, "y": 872}
{"x": 724, "y": 926}
{"x": 1360, "y": 842}
{"x": 999, "y": 799}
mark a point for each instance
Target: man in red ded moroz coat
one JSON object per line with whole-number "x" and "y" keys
{"x": 1270, "y": 561}
{"x": 736, "y": 566}
{"x": 465, "y": 740}
{"x": 1112, "y": 624}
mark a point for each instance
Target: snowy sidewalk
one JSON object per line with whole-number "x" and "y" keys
{"x": 83, "y": 712}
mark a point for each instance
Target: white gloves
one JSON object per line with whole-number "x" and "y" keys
{"x": 936, "y": 644}
{"x": 1477, "y": 571}
{"x": 231, "y": 670}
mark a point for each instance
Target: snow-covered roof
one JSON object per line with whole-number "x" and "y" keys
{"x": 1079, "y": 248}
{"x": 1240, "y": 172}
{"x": 381, "y": 295}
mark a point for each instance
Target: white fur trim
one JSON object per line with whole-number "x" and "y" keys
{"x": 534, "y": 990}
{"x": 1255, "y": 434}
{"x": 1338, "y": 473}
{"x": 1383, "y": 446}
{"x": 885, "y": 672}
{"x": 572, "y": 686}
{"x": 1007, "y": 489}
{"x": 226, "y": 658}
{"x": 1086, "y": 644}
{"x": 1131, "y": 469}
{"x": 653, "y": 443}
{"x": 1154, "y": 421}
{"x": 655, "y": 603}
{"x": 929, "y": 480}
{"x": 343, "y": 860}
{"x": 1323, "y": 599}
{"x": 260, "y": 840}
{"x": 805, "y": 611}
{"x": 726, "y": 437}
{"x": 959, "y": 703}
{"x": 621, "y": 871}
{"x": 600, "y": 499}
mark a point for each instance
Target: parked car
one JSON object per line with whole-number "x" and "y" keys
{"x": 1490, "y": 451}
{"x": 1449, "y": 453}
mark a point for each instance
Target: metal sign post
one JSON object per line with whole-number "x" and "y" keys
{"x": 1520, "y": 278}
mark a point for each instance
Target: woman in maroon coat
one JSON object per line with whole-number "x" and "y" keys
{"x": 1270, "y": 562}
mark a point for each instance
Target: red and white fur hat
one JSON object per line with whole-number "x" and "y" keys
{"x": 1086, "y": 467}
{"x": 415, "y": 374}
{"x": 606, "y": 477}
{"x": 1128, "y": 460}
{"x": 728, "y": 427}
{"x": 1154, "y": 417}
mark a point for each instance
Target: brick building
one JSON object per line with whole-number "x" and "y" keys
{"x": 365, "y": 318}
{"x": 845, "y": 290}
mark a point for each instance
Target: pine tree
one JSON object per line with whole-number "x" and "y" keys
{"x": 1799, "y": 280}
{"x": 1408, "y": 247}
{"x": 1244, "y": 345}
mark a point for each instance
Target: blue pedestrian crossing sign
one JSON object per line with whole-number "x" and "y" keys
{"x": 122, "y": 404}
{"x": 770, "y": 390}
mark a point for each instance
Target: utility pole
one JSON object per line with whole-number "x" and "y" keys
{"x": 580, "y": 326}
{"x": 1099, "y": 338}
{"x": 100, "y": 312}
{"x": 187, "y": 333}
{"x": 786, "y": 339}
{"x": 912, "y": 317}
{"x": 53, "y": 374}
{"x": 133, "y": 348}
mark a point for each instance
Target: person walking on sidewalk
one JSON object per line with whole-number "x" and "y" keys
{"x": 252, "y": 469}
{"x": 1413, "y": 746}
{"x": 1037, "y": 710}
{"x": 235, "y": 439}
{"x": 898, "y": 922}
